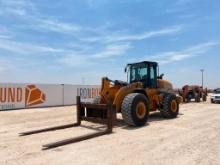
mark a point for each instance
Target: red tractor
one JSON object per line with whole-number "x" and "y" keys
{"x": 189, "y": 92}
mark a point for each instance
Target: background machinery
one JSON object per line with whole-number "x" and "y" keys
{"x": 189, "y": 92}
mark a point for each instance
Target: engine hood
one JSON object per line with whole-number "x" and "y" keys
{"x": 164, "y": 84}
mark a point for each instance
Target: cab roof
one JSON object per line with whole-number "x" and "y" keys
{"x": 145, "y": 62}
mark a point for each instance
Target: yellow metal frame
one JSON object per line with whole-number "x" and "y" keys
{"x": 116, "y": 93}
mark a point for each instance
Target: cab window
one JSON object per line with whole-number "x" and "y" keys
{"x": 153, "y": 76}
{"x": 138, "y": 72}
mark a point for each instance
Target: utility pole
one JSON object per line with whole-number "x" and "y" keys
{"x": 202, "y": 70}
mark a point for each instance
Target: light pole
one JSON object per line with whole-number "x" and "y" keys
{"x": 202, "y": 70}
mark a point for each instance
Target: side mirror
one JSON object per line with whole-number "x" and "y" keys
{"x": 125, "y": 70}
{"x": 161, "y": 76}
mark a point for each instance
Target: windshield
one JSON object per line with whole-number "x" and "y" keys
{"x": 138, "y": 72}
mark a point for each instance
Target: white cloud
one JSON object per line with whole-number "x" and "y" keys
{"x": 4, "y": 33}
{"x": 146, "y": 35}
{"x": 109, "y": 52}
{"x": 57, "y": 26}
{"x": 190, "y": 52}
{"x": 26, "y": 10}
{"x": 66, "y": 55}
{"x": 26, "y": 48}
{"x": 35, "y": 20}
{"x": 16, "y": 7}
{"x": 112, "y": 50}
{"x": 4, "y": 37}
{"x": 111, "y": 44}
{"x": 111, "y": 38}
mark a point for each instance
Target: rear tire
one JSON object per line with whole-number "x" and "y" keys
{"x": 197, "y": 97}
{"x": 188, "y": 100}
{"x": 204, "y": 98}
{"x": 135, "y": 109}
{"x": 170, "y": 106}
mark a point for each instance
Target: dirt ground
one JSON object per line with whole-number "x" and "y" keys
{"x": 192, "y": 138}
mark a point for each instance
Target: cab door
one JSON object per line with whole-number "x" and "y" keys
{"x": 152, "y": 76}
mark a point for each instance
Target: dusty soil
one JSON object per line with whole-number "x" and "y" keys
{"x": 192, "y": 138}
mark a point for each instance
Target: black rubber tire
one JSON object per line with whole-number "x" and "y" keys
{"x": 166, "y": 111}
{"x": 188, "y": 100}
{"x": 197, "y": 97}
{"x": 212, "y": 101}
{"x": 198, "y": 100}
{"x": 204, "y": 98}
{"x": 128, "y": 109}
{"x": 97, "y": 100}
{"x": 184, "y": 99}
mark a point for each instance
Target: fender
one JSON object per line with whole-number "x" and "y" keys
{"x": 131, "y": 88}
{"x": 142, "y": 91}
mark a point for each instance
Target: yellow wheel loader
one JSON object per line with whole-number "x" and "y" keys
{"x": 144, "y": 92}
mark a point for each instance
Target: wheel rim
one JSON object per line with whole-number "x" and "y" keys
{"x": 141, "y": 110}
{"x": 173, "y": 106}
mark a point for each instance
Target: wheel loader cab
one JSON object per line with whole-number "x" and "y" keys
{"x": 145, "y": 72}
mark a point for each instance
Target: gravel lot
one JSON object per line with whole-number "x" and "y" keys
{"x": 192, "y": 138}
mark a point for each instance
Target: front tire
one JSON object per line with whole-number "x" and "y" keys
{"x": 135, "y": 109}
{"x": 204, "y": 98}
{"x": 197, "y": 97}
{"x": 188, "y": 98}
{"x": 170, "y": 106}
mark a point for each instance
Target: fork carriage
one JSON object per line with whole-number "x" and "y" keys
{"x": 97, "y": 113}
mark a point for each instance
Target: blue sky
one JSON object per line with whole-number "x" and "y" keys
{"x": 80, "y": 41}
